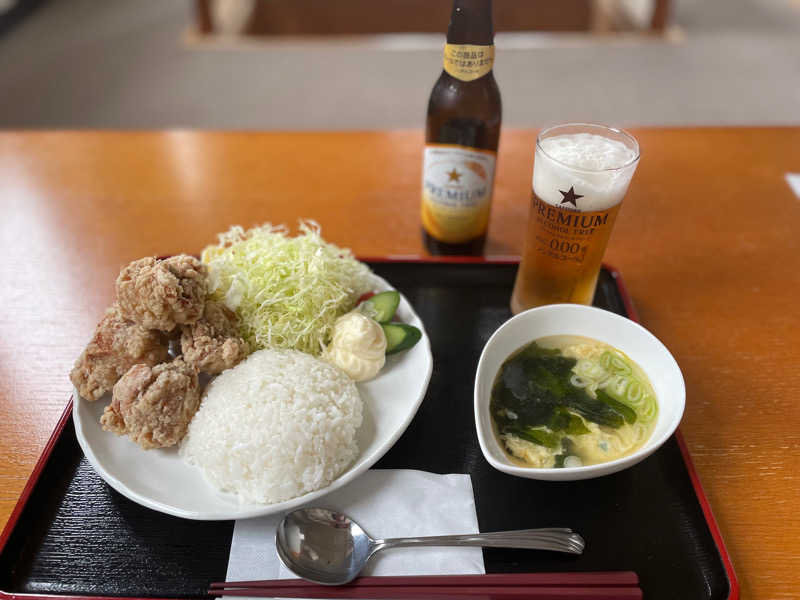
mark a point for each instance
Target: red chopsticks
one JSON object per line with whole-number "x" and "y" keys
{"x": 611, "y": 585}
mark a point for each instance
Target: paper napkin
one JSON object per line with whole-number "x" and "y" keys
{"x": 793, "y": 179}
{"x": 386, "y": 503}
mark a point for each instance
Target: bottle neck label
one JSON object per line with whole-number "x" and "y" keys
{"x": 468, "y": 62}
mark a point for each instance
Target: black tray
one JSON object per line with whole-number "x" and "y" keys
{"x": 73, "y": 535}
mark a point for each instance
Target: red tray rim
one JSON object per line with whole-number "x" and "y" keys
{"x": 633, "y": 315}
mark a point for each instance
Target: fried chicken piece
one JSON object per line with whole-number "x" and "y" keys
{"x": 117, "y": 345}
{"x": 160, "y": 294}
{"x": 212, "y": 344}
{"x": 153, "y": 406}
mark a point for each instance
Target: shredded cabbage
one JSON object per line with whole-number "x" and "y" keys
{"x": 287, "y": 291}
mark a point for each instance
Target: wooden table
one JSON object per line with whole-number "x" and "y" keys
{"x": 707, "y": 242}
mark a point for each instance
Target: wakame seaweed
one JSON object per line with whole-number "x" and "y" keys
{"x": 626, "y": 411}
{"x": 533, "y": 391}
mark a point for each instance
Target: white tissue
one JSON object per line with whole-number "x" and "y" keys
{"x": 386, "y": 503}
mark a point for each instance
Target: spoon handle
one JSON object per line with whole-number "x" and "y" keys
{"x": 556, "y": 539}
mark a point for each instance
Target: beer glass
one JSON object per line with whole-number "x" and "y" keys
{"x": 581, "y": 172}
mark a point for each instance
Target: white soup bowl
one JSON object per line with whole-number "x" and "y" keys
{"x": 574, "y": 319}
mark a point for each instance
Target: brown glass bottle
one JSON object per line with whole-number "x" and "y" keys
{"x": 461, "y": 137}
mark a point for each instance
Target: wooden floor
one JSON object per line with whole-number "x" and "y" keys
{"x": 303, "y": 17}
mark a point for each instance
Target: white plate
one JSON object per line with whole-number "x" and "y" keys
{"x": 159, "y": 479}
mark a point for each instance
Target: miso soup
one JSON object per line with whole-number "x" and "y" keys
{"x": 569, "y": 401}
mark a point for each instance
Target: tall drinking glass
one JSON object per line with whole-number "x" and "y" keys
{"x": 581, "y": 172}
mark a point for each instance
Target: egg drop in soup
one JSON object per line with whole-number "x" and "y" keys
{"x": 570, "y": 401}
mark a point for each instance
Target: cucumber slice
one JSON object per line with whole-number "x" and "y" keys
{"x": 381, "y": 307}
{"x": 400, "y": 336}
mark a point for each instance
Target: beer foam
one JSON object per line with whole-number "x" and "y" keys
{"x": 596, "y": 167}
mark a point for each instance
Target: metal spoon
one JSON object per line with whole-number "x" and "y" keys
{"x": 328, "y": 547}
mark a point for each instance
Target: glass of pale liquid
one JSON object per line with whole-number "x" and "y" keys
{"x": 581, "y": 172}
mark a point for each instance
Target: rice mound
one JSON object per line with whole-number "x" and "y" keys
{"x": 278, "y": 425}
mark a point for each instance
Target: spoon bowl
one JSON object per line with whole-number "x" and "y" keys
{"x": 329, "y": 548}
{"x": 322, "y": 545}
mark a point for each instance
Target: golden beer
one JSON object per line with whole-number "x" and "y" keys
{"x": 581, "y": 174}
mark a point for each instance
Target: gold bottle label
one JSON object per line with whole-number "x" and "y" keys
{"x": 468, "y": 62}
{"x": 456, "y": 191}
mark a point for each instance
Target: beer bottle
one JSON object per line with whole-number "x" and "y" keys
{"x": 461, "y": 136}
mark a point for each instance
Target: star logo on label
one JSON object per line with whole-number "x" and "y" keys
{"x": 454, "y": 175}
{"x": 570, "y": 197}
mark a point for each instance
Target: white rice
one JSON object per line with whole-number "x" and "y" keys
{"x": 278, "y": 425}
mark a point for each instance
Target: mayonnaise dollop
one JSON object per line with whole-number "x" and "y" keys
{"x": 358, "y": 346}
